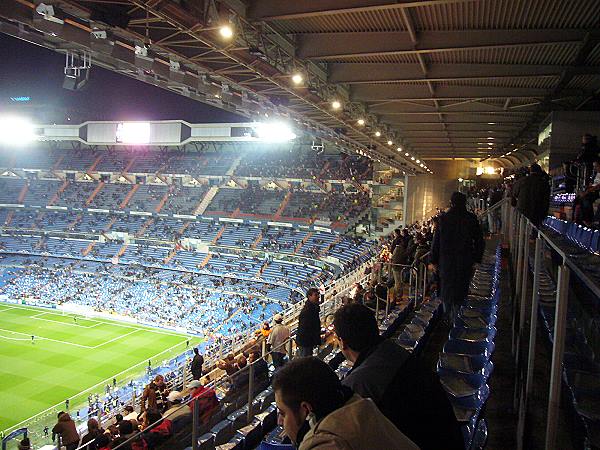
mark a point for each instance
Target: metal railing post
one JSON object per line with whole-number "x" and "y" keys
{"x": 558, "y": 349}
{"x": 195, "y": 423}
{"x": 250, "y": 391}
{"x": 524, "y": 277}
{"x": 535, "y": 297}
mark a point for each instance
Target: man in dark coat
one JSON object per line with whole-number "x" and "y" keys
{"x": 457, "y": 245}
{"x": 406, "y": 391}
{"x": 197, "y": 363}
{"x": 533, "y": 195}
{"x": 308, "y": 335}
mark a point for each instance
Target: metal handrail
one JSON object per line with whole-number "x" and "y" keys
{"x": 517, "y": 232}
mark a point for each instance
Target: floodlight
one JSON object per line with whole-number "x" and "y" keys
{"x": 335, "y": 104}
{"x": 390, "y": 143}
{"x": 361, "y": 122}
{"x": 407, "y": 154}
{"x": 133, "y": 132}
{"x": 297, "y": 78}
{"x": 16, "y": 131}
{"x": 412, "y": 157}
{"x": 226, "y": 31}
{"x": 378, "y": 133}
{"x": 274, "y": 132}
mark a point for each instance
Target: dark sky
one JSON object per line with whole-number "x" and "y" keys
{"x": 30, "y": 70}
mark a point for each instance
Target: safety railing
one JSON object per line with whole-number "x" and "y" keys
{"x": 518, "y": 232}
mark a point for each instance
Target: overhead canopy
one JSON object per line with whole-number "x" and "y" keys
{"x": 437, "y": 78}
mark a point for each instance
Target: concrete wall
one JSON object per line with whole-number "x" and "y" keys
{"x": 425, "y": 193}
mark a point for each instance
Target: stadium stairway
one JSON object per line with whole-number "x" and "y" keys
{"x": 129, "y": 196}
{"x": 94, "y": 165}
{"x": 57, "y": 194}
{"x": 164, "y": 199}
{"x": 210, "y": 194}
{"x": 95, "y": 192}
{"x": 302, "y": 242}
{"x": 23, "y": 193}
{"x": 283, "y": 205}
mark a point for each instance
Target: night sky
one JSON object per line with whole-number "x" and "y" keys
{"x": 30, "y": 70}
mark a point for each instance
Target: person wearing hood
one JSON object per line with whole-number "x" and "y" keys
{"x": 67, "y": 430}
{"x": 318, "y": 413}
{"x": 404, "y": 389}
{"x": 457, "y": 246}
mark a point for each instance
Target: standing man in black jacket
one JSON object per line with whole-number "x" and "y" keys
{"x": 197, "y": 363}
{"x": 404, "y": 389}
{"x": 457, "y": 246}
{"x": 308, "y": 335}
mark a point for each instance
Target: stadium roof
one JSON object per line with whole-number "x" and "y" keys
{"x": 437, "y": 78}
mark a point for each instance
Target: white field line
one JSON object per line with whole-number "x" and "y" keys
{"x": 35, "y": 316}
{"x": 101, "y": 383}
{"x": 65, "y": 323}
{"x": 115, "y": 322}
{"x": 6, "y": 308}
{"x": 42, "y": 338}
{"x": 116, "y": 338}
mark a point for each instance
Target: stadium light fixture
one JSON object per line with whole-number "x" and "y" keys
{"x": 399, "y": 149}
{"x": 133, "y": 132}
{"x": 297, "y": 78}
{"x": 378, "y": 133}
{"x": 274, "y": 132}
{"x": 16, "y": 131}
{"x": 361, "y": 122}
{"x": 335, "y": 104}
{"x": 226, "y": 31}
{"x": 407, "y": 154}
{"x": 418, "y": 161}
{"x": 390, "y": 143}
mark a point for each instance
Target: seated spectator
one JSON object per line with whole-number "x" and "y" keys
{"x": 126, "y": 432}
{"x": 178, "y": 414}
{"x": 404, "y": 389}
{"x": 130, "y": 413}
{"x": 156, "y": 428}
{"x": 317, "y": 412}
{"x": 102, "y": 442}
{"x": 66, "y": 430}
{"x": 94, "y": 430}
{"x": 205, "y": 398}
{"x": 228, "y": 364}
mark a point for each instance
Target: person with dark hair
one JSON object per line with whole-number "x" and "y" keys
{"x": 308, "y": 335}
{"x": 406, "y": 391}
{"x": 67, "y": 430}
{"x": 457, "y": 246}
{"x": 94, "y": 430}
{"x": 196, "y": 366}
{"x": 102, "y": 442}
{"x": 317, "y": 412}
{"x": 533, "y": 195}
{"x": 25, "y": 444}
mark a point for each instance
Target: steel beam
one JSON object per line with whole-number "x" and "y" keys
{"x": 268, "y": 10}
{"x": 399, "y": 92}
{"x": 337, "y": 46}
{"x": 373, "y": 73}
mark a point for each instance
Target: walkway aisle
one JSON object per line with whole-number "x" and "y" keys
{"x": 502, "y": 421}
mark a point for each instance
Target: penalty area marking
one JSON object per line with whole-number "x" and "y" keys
{"x": 41, "y": 338}
{"x": 70, "y": 324}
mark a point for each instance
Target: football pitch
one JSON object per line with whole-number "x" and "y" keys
{"x": 70, "y": 356}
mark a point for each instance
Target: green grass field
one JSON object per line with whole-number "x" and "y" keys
{"x": 69, "y": 357}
